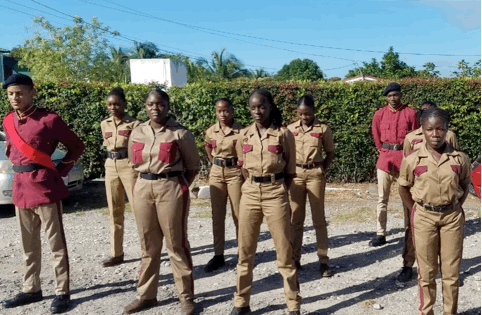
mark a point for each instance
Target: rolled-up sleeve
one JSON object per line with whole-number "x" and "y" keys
{"x": 405, "y": 178}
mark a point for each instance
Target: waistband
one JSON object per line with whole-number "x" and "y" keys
{"x": 394, "y": 147}
{"x": 118, "y": 155}
{"x": 150, "y": 176}
{"x": 225, "y": 162}
{"x": 310, "y": 165}
{"x": 441, "y": 208}
{"x": 270, "y": 178}
{"x": 27, "y": 168}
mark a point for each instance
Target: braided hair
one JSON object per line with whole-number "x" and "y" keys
{"x": 433, "y": 112}
{"x": 119, "y": 92}
{"x": 226, "y": 100}
{"x": 306, "y": 100}
{"x": 275, "y": 117}
{"x": 161, "y": 93}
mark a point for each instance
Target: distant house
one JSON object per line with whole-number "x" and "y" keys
{"x": 162, "y": 71}
{"x": 362, "y": 77}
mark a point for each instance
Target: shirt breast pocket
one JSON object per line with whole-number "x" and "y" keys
{"x": 315, "y": 139}
{"x": 124, "y": 133}
{"x": 108, "y": 135}
{"x": 137, "y": 148}
{"x": 385, "y": 130}
{"x": 276, "y": 151}
{"x": 167, "y": 152}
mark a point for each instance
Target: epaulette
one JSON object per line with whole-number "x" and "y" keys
{"x": 415, "y": 141}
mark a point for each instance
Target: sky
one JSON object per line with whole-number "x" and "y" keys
{"x": 337, "y": 35}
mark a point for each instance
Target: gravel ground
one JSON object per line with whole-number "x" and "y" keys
{"x": 364, "y": 277}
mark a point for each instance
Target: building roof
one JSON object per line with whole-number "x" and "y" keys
{"x": 362, "y": 77}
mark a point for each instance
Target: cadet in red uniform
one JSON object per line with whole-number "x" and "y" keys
{"x": 267, "y": 153}
{"x": 313, "y": 139}
{"x": 165, "y": 155}
{"x": 434, "y": 182}
{"x": 32, "y": 135}
{"x": 119, "y": 175}
{"x": 225, "y": 178}
{"x": 390, "y": 125}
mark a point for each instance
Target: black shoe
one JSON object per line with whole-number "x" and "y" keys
{"x": 240, "y": 310}
{"x": 405, "y": 275}
{"x": 23, "y": 299}
{"x": 378, "y": 241}
{"x": 113, "y": 261}
{"x": 215, "y": 263}
{"x": 138, "y": 305}
{"x": 294, "y": 313}
{"x": 60, "y": 304}
{"x": 297, "y": 265}
{"x": 325, "y": 271}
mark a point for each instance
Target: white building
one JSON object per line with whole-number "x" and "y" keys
{"x": 163, "y": 71}
{"x": 361, "y": 78}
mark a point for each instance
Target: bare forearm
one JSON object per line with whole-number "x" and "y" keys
{"x": 329, "y": 158}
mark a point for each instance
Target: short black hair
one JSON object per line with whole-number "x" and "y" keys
{"x": 428, "y": 102}
{"x": 275, "y": 117}
{"x": 226, "y": 100}
{"x": 306, "y": 100}
{"x": 159, "y": 92}
{"x": 435, "y": 112}
{"x": 119, "y": 92}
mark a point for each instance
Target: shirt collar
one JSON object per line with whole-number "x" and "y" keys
{"x": 270, "y": 131}
{"x": 26, "y": 113}
{"x": 448, "y": 151}
{"x": 316, "y": 123}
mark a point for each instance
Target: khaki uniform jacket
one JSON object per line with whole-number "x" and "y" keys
{"x": 116, "y": 137}
{"x": 416, "y": 139}
{"x": 222, "y": 145}
{"x": 435, "y": 183}
{"x": 170, "y": 149}
{"x": 274, "y": 152}
{"x": 311, "y": 144}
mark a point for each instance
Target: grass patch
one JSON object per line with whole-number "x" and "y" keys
{"x": 203, "y": 214}
{"x": 359, "y": 215}
{"x": 367, "y": 303}
{"x": 201, "y": 202}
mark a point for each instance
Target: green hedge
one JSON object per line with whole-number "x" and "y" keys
{"x": 347, "y": 108}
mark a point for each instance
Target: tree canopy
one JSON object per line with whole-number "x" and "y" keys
{"x": 298, "y": 69}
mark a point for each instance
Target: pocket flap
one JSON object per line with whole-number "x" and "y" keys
{"x": 136, "y": 146}
{"x": 168, "y": 146}
{"x": 247, "y": 148}
{"x": 295, "y": 133}
{"x": 456, "y": 168}
{"x": 415, "y": 141}
{"x": 107, "y": 135}
{"x": 419, "y": 170}
{"x": 234, "y": 142}
{"x": 316, "y": 134}
{"x": 212, "y": 144}
{"x": 124, "y": 133}
{"x": 276, "y": 149}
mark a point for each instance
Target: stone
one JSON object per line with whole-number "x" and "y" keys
{"x": 377, "y": 306}
{"x": 204, "y": 193}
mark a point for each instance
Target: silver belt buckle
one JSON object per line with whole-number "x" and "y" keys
{"x": 273, "y": 178}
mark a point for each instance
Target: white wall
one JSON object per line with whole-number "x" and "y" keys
{"x": 162, "y": 71}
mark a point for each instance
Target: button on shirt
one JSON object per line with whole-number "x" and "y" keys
{"x": 435, "y": 183}
{"x": 391, "y": 126}
{"x": 222, "y": 145}
{"x": 172, "y": 148}
{"x": 311, "y": 143}
{"x": 43, "y": 130}
{"x": 415, "y": 139}
{"x": 272, "y": 153}
{"x": 116, "y": 135}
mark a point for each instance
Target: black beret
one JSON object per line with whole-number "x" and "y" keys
{"x": 17, "y": 79}
{"x": 394, "y": 86}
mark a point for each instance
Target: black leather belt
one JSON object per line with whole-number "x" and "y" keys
{"x": 310, "y": 165}
{"x": 441, "y": 208}
{"x": 118, "y": 155}
{"x": 267, "y": 178}
{"x": 395, "y": 147}
{"x": 151, "y": 176}
{"x": 225, "y": 162}
{"x": 27, "y": 168}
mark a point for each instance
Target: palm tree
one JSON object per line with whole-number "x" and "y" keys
{"x": 120, "y": 59}
{"x": 223, "y": 66}
{"x": 144, "y": 50}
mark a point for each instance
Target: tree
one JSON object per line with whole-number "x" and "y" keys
{"x": 465, "y": 70}
{"x": 120, "y": 61}
{"x": 428, "y": 71}
{"x": 390, "y": 67}
{"x": 298, "y": 69}
{"x": 145, "y": 50}
{"x": 223, "y": 66}
{"x": 259, "y": 73}
{"x": 77, "y": 52}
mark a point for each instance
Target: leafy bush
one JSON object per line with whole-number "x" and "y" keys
{"x": 347, "y": 108}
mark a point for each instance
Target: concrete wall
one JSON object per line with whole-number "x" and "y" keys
{"x": 162, "y": 71}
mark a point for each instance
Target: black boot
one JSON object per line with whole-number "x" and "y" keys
{"x": 60, "y": 304}
{"x": 23, "y": 299}
{"x": 240, "y": 310}
{"x": 405, "y": 275}
{"x": 378, "y": 241}
{"x": 215, "y": 263}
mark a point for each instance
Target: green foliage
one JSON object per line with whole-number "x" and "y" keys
{"x": 465, "y": 70}
{"x": 347, "y": 108}
{"x": 298, "y": 69}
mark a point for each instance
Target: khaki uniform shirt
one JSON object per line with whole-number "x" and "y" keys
{"x": 170, "y": 149}
{"x": 116, "y": 137}
{"x": 222, "y": 145}
{"x": 274, "y": 152}
{"x": 435, "y": 183}
{"x": 311, "y": 144}
{"x": 416, "y": 139}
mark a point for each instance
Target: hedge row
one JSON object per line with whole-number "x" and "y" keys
{"x": 347, "y": 108}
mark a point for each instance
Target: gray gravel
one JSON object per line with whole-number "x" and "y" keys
{"x": 364, "y": 280}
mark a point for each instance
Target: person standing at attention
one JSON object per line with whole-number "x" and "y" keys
{"x": 313, "y": 139}
{"x": 267, "y": 153}
{"x": 390, "y": 125}
{"x": 32, "y": 135}
{"x": 225, "y": 178}
{"x": 119, "y": 175}
{"x": 434, "y": 182}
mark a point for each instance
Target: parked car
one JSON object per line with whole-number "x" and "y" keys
{"x": 74, "y": 180}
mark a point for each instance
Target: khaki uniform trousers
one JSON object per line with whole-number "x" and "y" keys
{"x": 30, "y": 221}
{"x": 438, "y": 234}
{"x": 385, "y": 181}
{"x": 309, "y": 182}
{"x": 224, "y": 182}
{"x": 161, "y": 210}
{"x": 271, "y": 201}
{"x": 119, "y": 181}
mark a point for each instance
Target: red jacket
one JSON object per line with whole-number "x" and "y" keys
{"x": 43, "y": 130}
{"x": 389, "y": 126}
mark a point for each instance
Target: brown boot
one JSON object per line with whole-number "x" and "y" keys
{"x": 187, "y": 307}
{"x": 138, "y": 305}
{"x": 113, "y": 261}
